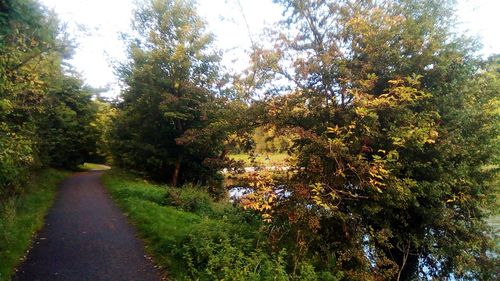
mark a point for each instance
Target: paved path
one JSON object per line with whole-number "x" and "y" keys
{"x": 86, "y": 237}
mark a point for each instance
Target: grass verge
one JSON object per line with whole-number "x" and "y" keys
{"x": 22, "y": 216}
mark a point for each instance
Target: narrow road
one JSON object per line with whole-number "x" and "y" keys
{"x": 86, "y": 237}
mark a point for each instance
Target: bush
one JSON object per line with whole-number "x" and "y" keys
{"x": 216, "y": 250}
{"x": 190, "y": 199}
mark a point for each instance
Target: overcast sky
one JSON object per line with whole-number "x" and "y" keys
{"x": 96, "y": 24}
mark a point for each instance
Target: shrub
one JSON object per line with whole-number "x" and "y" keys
{"x": 190, "y": 199}
{"x": 224, "y": 251}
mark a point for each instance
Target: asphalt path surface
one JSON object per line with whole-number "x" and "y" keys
{"x": 86, "y": 237}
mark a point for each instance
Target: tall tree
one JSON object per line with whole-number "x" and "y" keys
{"x": 169, "y": 126}
{"x": 390, "y": 180}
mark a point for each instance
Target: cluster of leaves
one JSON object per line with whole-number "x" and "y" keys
{"x": 45, "y": 110}
{"x": 393, "y": 123}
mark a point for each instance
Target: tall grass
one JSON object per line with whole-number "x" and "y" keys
{"x": 23, "y": 215}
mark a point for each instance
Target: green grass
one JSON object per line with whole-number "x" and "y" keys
{"x": 274, "y": 159}
{"x": 161, "y": 226}
{"x": 190, "y": 235}
{"x": 93, "y": 167}
{"x": 22, "y": 216}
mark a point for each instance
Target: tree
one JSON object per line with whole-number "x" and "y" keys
{"x": 170, "y": 126}
{"x": 384, "y": 104}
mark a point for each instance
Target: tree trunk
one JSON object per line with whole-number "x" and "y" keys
{"x": 177, "y": 169}
{"x": 408, "y": 264}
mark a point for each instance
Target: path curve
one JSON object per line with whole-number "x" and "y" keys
{"x": 86, "y": 237}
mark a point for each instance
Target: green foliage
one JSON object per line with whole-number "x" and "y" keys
{"x": 44, "y": 111}
{"x": 267, "y": 141}
{"x": 102, "y": 125}
{"x": 22, "y": 216}
{"x": 214, "y": 241}
{"x": 264, "y": 140}
{"x": 393, "y": 123}
{"x": 190, "y": 199}
{"x": 170, "y": 125}
{"x": 66, "y": 136}
{"x": 24, "y": 39}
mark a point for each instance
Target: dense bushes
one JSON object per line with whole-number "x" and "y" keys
{"x": 190, "y": 199}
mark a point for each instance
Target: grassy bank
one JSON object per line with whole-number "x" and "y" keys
{"x": 22, "y": 216}
{"x": 195, "y": 238}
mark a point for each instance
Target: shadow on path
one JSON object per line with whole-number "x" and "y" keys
{"x": 86, "y": 237}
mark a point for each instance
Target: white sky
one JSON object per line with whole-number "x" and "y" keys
{"x": 103, "y": 20}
